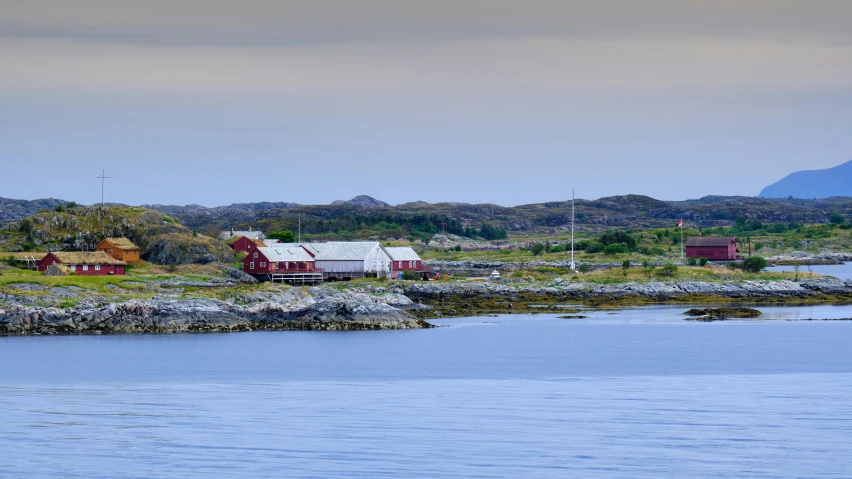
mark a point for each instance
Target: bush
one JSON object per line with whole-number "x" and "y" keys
{"x": 732, "y": 265}
{"x": 625, "y": 264}
{"x": 619, "y": 237}
{"x": 457, "y": 247}
{"x": 595, "y": 247}
{"x": 753, "y": 264}
{"x": 558, "y": 248}
{"x": 285, "y": 236}
{"x": 845, "y": 226}
{"x": 758, "y": 246}
{"x": 702, "y": 261}
{"x": 410, "y": 275}
{"x": 615, "y": 249}
{"x": 668, "y": 270}
{"x": 584, "y": 268}
{"x": 537, "y": 249}
{"x": 836, "y": 218}
{"x": 691, "y": 261}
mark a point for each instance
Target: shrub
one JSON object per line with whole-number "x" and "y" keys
{"x": 835, "y": 218}
{"x": 625, "y": 264}
{"x": 619, "y": 237}
{"x": 537, "y": 249}
{"x": 668, "y": 270}
{"x": 615, "y": 249}
{"x": 691, "y": 261}
{"x": 732, "y": 265}
{"x": 558, "y": 248}
{"x": 457, "y": 247}
{"x": 645, "y": 264}
{"x": 584, "y": 268}
{"x": 758, "y": 246}
{"x": 285, "y": 236}
{"x": 753, "y": 264}
{"x": 71, "y": 204}
{"x": 595, "y": 247}
{"x": 59, "y": 209}
{"x": 702, "y": 261}
{"x": 410, "y": 275}
{"x": 846, "y": 226}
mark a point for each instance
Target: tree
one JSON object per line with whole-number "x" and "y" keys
{"x": 702, "y": 261}
{"x": 285, "y": 236}
{"x": 537, "y": 249}
{"x": 457, "y": 247}
{"x": 835, "y": 218}
{"x": 615, "y": 249}
{"x": 625, "y": 264}
{"x": 753, "y": 264}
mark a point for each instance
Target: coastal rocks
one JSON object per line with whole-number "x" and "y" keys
{"x": 721, "y": 314}
{"x": 297, "y": 312}
{"x": 803, "y": 257}
{"x": 238, "y": 275}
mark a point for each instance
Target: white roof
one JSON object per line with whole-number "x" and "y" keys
{"x": 278, "y": 254}
{"x": 402, "y": 253}
{"x": 271, "y": 242}
{"x": 253, "y": 235}
{"x": 343, "y": 250}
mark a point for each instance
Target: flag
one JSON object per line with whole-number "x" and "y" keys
{"x": 680, "y": 223}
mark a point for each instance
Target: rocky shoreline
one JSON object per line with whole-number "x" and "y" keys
{"x": 315, "y": 309}
{"x": 394, "y": 306}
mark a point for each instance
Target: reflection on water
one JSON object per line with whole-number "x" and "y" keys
{"x": 640, "y": 393}
{"x": 840, "y": 271}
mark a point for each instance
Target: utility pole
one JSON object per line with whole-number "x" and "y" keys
{"x": 103, "y": 179}
{"x": 573, "y": 264}
{"x": 300, "y": 230}
{"x": 444, "y": 252}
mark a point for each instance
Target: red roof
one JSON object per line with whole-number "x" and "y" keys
{"x": 717, "y": 241}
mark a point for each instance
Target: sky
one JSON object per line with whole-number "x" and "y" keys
{"x": 216, "y": 102}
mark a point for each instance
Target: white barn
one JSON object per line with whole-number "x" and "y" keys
{"x": 350, "y": 259}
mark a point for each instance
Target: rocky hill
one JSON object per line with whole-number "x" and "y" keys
{"x": 162, "y": 238}
{"x": 825, "y": 183}
{"x": 362, "y": 200}
{"x": 12, "y": 210}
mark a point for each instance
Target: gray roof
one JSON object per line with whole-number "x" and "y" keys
{"x": 711, "y": 241}
{"x": 271, "y": 242}
{"x": 228, "y": 234}
{"x": 279, "y": 254}
{"x": 402, "y": 253}
{"x": 343, "y": 250}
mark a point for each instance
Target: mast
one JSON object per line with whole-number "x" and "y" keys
{"x": 572, "y": 229}
{"x": 300, "y": 229}
{"x": 444, "y": 261}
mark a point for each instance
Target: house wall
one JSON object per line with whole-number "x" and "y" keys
{"x": 712, "y": 252}
{"x": 341, "y": 266}
{"x": 118, "y": 253}
{"x": 259, "y": 264}
{"x": 244, "y": 245}
{"x": 404, "y": 265}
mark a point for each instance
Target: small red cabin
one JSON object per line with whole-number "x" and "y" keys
{"x": 244, "y": 244}
{"x": 713, "y": 248}
{"x": 85, "y": 264}
{"x": 278, "y": 260}
{"x": 404, "y": 258}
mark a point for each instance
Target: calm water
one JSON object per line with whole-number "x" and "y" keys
{"x": 840, "y": 271}
{"x": 635, "y": 394}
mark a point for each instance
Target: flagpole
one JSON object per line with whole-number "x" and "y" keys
{"x": 572, "y": 230}
{"x": 681, "y": 239}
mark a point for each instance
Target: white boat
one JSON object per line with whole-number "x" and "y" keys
{"x": 495, "y": 275}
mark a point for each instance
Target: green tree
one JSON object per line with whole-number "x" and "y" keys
{"x": 615, "y": 249}
{"x": 457, "y": 248}
{"x": 835, "y": 218}
{"x": 754, "y": 264}
{"x": 702, "y": 261}
{"x": 537, "y": 249}
{"x": 285, "y": 236}
{"x": 625, "y": 264}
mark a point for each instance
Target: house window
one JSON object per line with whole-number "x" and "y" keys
{"x": 85, "y": 267}
{"x": 255, "y": 255}
{"x": 110, "y": 250}
{"x": 71, "y": 267}
{"x": 287, "y": 265}
{"x": 400, "y": 264}
{"x": 251, "y": 265}
{"x": 97, "y": 267}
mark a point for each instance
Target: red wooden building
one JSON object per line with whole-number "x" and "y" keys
{"x": 85, "y": 264}
{"x": 713, "y": 248}
{"x": 243, "y": 244}
{"x": 278, "y": 260}
{"x": 404, "y": 258}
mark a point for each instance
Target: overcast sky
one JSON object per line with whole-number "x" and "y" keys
{"x": 511, "y": 102}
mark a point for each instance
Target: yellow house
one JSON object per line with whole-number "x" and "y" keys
{"x": 121, "y": 249}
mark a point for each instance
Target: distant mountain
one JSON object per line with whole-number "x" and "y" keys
{"x": 13, "y": 210}
{"x": 363, "y": 201}
{"x": 215, "y": 212}
{"x": 826, "y": 183}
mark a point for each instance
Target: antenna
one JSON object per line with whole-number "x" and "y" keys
{"x": 103, "y": 179}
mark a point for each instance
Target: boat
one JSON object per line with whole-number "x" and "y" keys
{"x": 495, "y": 275}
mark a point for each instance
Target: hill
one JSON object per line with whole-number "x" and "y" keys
{"x": 825, "y": 183}
{"x": 162, "y": 238}
{"x": 12, "y": 210}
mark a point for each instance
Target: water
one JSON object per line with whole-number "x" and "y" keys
{"x": 839, "y": 271}
{"x": 639, "y": 393}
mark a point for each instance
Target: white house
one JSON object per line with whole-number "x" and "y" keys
{"x": 350, "y": 259}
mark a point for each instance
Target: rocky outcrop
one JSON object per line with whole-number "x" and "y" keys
{"x": 803, "y": 257}
{"x": 335, "y": 312}
{"x": 658, "y": 291}
{"x": 721, "y": 314}
{"x": 238, "y": 275}
{"x": 363, "y": 201}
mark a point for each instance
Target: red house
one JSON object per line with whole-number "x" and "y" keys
{"x": 713, "y": 248}
{"x": 243, "y": 244}
{"x": 404, "y": 258}
{"x": 85, "y": 264}
{"x": 278, "y": 260}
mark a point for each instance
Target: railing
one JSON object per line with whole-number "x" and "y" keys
{"x": 297, "y": 270}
